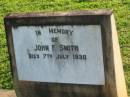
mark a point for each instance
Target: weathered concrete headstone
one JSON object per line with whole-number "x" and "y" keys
{"x": 72, "y": 54}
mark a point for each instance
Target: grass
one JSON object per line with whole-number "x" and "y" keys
{"x": 121, "y": 10}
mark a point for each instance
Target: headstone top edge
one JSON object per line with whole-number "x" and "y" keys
{"x": 99, "y": 12}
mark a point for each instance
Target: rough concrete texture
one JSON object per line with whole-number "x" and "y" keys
{"x": 9, "y": 93}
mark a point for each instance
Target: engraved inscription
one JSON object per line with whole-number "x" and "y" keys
{"x": 59, "y": 54}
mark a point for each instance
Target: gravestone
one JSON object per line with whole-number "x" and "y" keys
{"x": 65, "y": 54}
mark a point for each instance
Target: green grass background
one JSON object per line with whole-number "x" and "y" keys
{"x": 121, "y": 10}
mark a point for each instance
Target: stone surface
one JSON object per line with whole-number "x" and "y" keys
{"x": 62, "y": 54}
{"x": 9, "y": 93}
